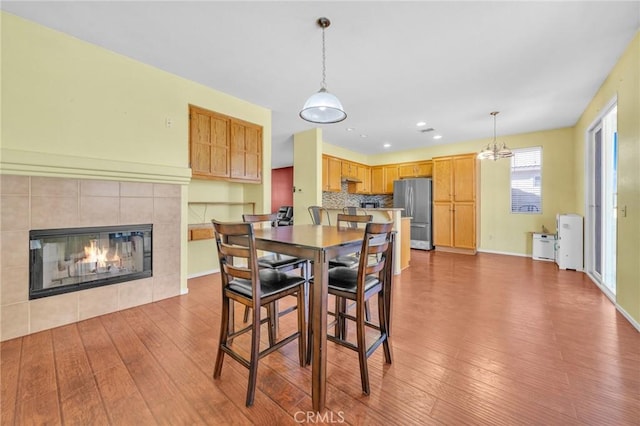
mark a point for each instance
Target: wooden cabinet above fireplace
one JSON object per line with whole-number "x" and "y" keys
{"x": 223, "y": 147}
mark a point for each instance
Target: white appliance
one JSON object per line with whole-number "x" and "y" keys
{"x": 569, "y": 238}
{"x": 544, "y": 247}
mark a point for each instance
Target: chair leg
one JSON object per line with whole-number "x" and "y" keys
{"x": 302, "y": 350}
{"x": 362, "y": 349}
{"x": 367, "y": 311}
{"x": 310, "y": 329}
{"x": 343, "y": 321}
{"x": 272, "y": 314}
{"x": 245, "y": 318}
{"x": 253, "y": 360}
{"x": 382, "y": 315}
{"x": 224, "y": 333}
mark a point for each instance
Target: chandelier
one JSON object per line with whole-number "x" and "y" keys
{"x": 323, "y": 107}
{"x": 493, "y": 151}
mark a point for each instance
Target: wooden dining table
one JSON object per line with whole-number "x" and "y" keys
{"x": 317, "y": 243}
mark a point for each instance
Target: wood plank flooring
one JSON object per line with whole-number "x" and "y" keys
{"x": 484, "y": 339}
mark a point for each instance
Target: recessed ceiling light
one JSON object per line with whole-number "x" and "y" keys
{"x": 350, "y": 129}
{"x": 437, "y": 136}
{"x": 421, "y": 123}
{"x": 387, "y": 145}
{"x": 363, "y": 136}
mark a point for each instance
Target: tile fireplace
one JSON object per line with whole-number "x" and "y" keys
{"x": 109, "y": 216}
{"x": 72, "y": 259}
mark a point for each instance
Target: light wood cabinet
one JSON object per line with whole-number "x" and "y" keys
{"x": 390, "y": 174}
{"x": 405, "y": 237}
{"x": 331, "y": 174}
{"x": 382, "y": 178}
{"x": 224, "y": 148}
{"x": 209, "y": 144}
{"x": 454, "y": 202}
{"x": 415, "y": 170}
{"x": 363, "y": 174}
{"x": 246, "y": 151}
{"x": 377, "y": 180}
{"x": 349, "y": 169}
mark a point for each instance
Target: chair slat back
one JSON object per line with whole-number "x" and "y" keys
{"x": 354, "y": 210}
{"x": 319, "y": 215}
{"x": 260, "y": 220}
{"x": 237, "y": 259}
{"x": 375, "y": 250}
{"x": 353, "y": 220}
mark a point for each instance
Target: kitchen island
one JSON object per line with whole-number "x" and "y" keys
{"x": 386, "y": 214}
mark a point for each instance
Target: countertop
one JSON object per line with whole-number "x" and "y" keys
{"x": 382, "y": 209}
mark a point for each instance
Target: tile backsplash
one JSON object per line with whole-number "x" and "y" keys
{"x": 338, "y": 200}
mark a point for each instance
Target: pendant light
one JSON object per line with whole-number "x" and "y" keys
{"x": 323, "y": 107}
{"x": 492, "y": 151}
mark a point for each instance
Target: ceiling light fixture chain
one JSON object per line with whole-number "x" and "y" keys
{"x": 324, "y": 55}
{"x": 323, "y": 107}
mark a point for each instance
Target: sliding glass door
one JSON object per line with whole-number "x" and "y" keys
{"x": 602, "y": 185}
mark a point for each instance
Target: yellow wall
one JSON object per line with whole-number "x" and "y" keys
{"x": 623, "y": 83}
{"x": 307, "y": 173}
{"x": 501, "y": 231}
{"x": 70, "y": 108}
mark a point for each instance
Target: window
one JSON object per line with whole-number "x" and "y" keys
{"x": 526, "y": 180}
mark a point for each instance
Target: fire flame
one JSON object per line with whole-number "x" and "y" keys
{"x": 94, "y": 254}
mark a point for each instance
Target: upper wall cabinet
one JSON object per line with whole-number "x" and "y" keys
{"x": 331, "y": 171}
{"x": 415, "y": 170}
{"x": 223, "y": 147}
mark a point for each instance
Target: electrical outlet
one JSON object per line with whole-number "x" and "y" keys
{"x": 168, "y": 122}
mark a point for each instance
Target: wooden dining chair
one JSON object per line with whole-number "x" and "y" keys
{"x": 319, "y": 215}
{"x": 350, "y": 221}
{"x": 245, "y": 282}
{"x": 276, "y": 261}
{"x": 360, "y": 285}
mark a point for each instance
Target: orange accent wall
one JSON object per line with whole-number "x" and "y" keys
{"x": 281, "y": 188}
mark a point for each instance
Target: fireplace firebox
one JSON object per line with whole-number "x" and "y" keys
{"x": 73, "y": 259}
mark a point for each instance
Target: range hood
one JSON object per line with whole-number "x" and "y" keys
{"x": 350, "y": 179}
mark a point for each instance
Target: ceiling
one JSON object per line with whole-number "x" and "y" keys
{"x": 391, "y": 63}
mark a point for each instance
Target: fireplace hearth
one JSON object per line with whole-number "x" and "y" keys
{"x": 73, "y": 259}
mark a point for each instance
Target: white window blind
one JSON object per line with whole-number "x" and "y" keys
{"x": 526, "y": 180}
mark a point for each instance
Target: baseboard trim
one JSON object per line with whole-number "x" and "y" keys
{"x": 628, "y": 317}
{"x": 505, "y": 253}
{"x": 456, "y": 250}
{"x": 203, "y": 273}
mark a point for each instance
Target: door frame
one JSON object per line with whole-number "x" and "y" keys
{"x": 588, "y": 223}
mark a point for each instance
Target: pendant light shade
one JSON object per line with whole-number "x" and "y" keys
{"x": 323, "y": 107}
{"x": 492, "y": 151}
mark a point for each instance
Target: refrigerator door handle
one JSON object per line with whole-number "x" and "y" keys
{"x": 418, "y": 226}
{"x": 411, "y": 201}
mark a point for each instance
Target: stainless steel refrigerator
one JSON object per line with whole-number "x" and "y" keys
{"x": 414, "y": 196}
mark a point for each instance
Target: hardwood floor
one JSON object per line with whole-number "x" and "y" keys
{"x": 483, "y": 339}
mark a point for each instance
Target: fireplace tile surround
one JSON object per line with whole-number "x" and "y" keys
{"x": 33, "y": 202}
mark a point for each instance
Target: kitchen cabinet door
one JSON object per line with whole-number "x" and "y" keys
{"x": 209, "y": 144}
{"x": 246, "y": 151}
{"x": 464, "y": 225}
{"x": 442, "y": 224}
{"x": 377, "y": 180}
{"x": 415, "y": 170}
{"x": 331, "y": 174}
{"x": 390, "y": 174}
{"x": 442, "y": 179}
{"x": 464, "y": 173}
